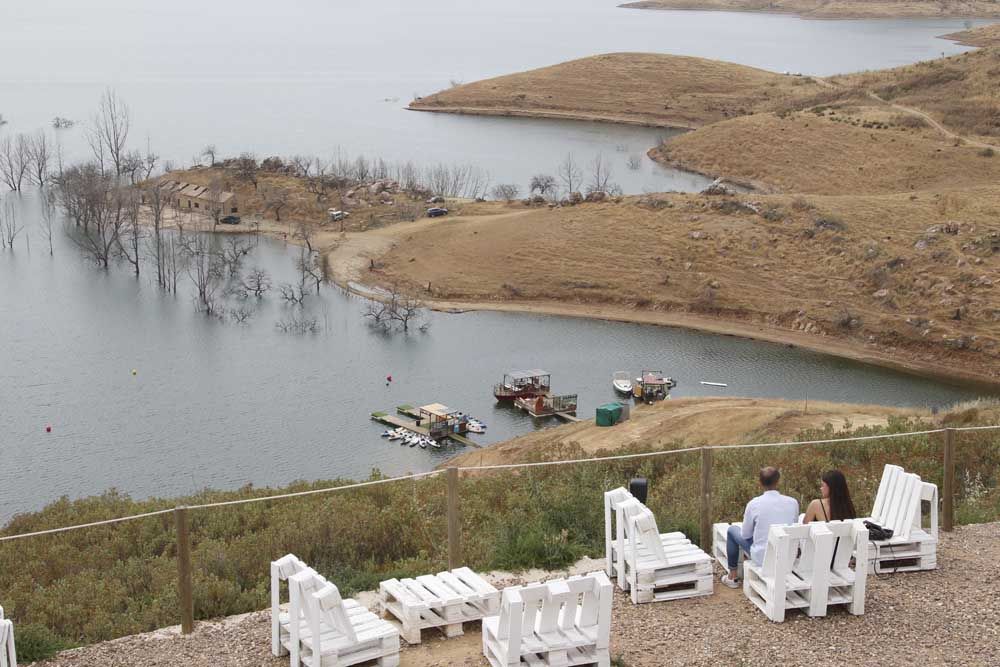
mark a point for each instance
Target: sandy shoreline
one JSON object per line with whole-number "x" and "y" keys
{"x": 550, "y": 114}
{"x": 896, "y": 12}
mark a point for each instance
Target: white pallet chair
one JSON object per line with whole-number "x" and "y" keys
{"x": 618, "y": 505}
{"x": 281, "y": 570}
{"x": 720, "y": 533}
{"x": 657, "y": 571}
{"x": 560, "y": 622}
{"x": 8, "y": 654}
{"x": 300, "y": 586}
{"x": 340, "y": 632}
{"x": 898, "y": 506}
{"x": 846, "y": 584}
{"x": 787, "y": 578}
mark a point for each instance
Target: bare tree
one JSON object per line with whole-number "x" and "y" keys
{"x": 15, "y": 160}
{"x": 40, "y": 155}
{"x": 304, "y": 232}
{"x": 48, "y": 213}
{"x": 149, "y": 161}
{"x": 234, "y": 250}
{"x": 633, "y": 162}
{"x": 210, "y": 152}
{"x": 101, "y": 204}
{"x": 301, "y": 165}
{"x": 257, "y": 282}
{"x": 204, "y": 268}
{"x": 505, "y": 191}
{"x": 542, "y": 184}
{"x": 9, "y": 228}
{"x": 156, "y": 202}
{"x": 310, "y": 268}
{"x": 215, "y": 190}
{"x": 130, "y": 239}
{"x": 404, "y": 309}
{"x": 276, "y": 199}
{"x": 247, "y": 168}
{"x": 570, "y": 174}
{"x": 298, "y": 325}
{"x": 109, "y": 133}
{"x": 600, "y": 175}
{"x": 240, "y": 314}
{"x": 293, "y": 294}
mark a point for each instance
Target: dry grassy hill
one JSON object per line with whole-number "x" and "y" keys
{"x": 690, "y": 421}
{"x": 987, "y": 35}
{"x": 863, "y": 150}
{"x": 642, "y": 88}
{"x": 836, "y": 8}
{"x": 911, "y": 275}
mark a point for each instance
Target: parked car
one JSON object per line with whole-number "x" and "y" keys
{"x": 230, "y": 220}
{"x": 337, "y": 215}
{"x": 436, "y": 199}
{"x": 436, "y": 212}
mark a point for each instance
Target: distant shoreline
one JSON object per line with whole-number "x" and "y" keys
{"x": 821, "y": 11}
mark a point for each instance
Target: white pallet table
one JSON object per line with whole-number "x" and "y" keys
{"x": 445, "y": 600}
{"x": 913, "y": 546}
{"x": 556, "y": 623}
{"x": 8, "y": 654}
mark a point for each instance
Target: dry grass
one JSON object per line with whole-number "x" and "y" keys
{"x": 987, "y": 35}
{"x": 813, "y": 264}
{"x": 962, "y": 92}
{"x": 836, "y": 8}
{"x": 861, "y": 150}
{"x": 653, "y": 89}
{"x": 691, "y": 422}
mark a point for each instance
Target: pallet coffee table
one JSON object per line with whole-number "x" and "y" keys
{"x": 445, "y": 600}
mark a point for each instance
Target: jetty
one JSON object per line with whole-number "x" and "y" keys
{"x": 434, "y": 421}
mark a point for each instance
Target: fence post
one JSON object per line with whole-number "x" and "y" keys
{"x": 454, "y": 528}
{"x": 184, "y": 592}
{"x": 948, "y": 493}
{"x": 706, "y": 499}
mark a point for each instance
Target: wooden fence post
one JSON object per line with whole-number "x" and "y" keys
{"x": 706, "y": 499}
{"x": 454, "y": 527}
{"x": 184, "y": 592}
{"x": 948, "y": 493}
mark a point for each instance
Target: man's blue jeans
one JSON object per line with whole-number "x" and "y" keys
{"x": 735, "y": 542}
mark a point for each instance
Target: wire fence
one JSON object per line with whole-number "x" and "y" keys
{"x": 516, "y": 514}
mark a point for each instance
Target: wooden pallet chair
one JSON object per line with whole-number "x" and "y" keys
{"x": 446, "y": 600}
{"x": 787, "y": 578}
{"x": 898, "y": 506}
{"x": 556, "y": 623}
{"x": 340, "y": 632}
{"x": 720, "y": 533}
{"x": 655, "y": 571}
{"x": 618, "y": 505}
{"x": 845, "y": 585}
{"x": 8, "y": 654}
{"x": 281, "y": 570}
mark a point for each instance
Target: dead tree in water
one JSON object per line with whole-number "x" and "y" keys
{"x": 98, "y": 206}
{"x": 40, "y": 156}
{"x": 15, "y": 160}
{"x": 204, "y": 268}
{"x": 109, "y": 132}
{"x": 9, "y": 228}
{"x": 130, "y": 241}
{"x": 156, "y": 202}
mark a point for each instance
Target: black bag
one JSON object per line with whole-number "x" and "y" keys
{"x": 877, "y": 533}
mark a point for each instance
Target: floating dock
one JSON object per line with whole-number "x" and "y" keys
{"x": 399, "y": 422}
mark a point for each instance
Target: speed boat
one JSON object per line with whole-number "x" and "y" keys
{"x": 622, "y": 383}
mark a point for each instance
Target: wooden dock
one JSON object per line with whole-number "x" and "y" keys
{"x": 399, "y": 422}
{"x": 565, "y": 416}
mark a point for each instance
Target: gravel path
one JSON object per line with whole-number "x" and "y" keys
{"x": 947, "y": 617}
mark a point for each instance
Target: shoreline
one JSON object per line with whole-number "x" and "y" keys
{"x": 550, "y": 114}
{"x": 352, "y": 254}
{"x": 845, "y": 15}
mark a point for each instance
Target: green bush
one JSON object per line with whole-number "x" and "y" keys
{"x": 36, "y": 642}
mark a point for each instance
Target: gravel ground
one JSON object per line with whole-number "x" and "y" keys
{"x": 947, "y": 617}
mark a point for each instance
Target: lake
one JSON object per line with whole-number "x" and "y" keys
{"x": 222, "y": 405}
{"x": 318, "y": 77}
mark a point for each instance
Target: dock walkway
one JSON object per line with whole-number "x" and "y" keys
{"x": 399, "y": 422}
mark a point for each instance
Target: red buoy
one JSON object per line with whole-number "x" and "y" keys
{"x": 388, "y": 378}
{"x": 48, "y": 428}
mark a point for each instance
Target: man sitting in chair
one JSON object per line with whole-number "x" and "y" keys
{"x": 768, "y": 509}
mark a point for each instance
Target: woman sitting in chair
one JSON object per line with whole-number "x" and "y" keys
{"x": 835, "y": 505}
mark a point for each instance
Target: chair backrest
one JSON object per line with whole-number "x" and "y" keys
{"x": 281, "y": 570}
{"x": 642, "y": 532}
{"x": 553, "y": 607}
{"x": 324, "y": 608}
{"x": 612, "y": 499}
{"x": 8, "y": 653}
{"x": 897, "y": 503}
{"x": 850, "y": 537}
{"x": 784, "y": 541}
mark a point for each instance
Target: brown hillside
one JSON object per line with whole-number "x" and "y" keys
{"x": 645, "y": 88}
{"x": 987, "y": 35}
{"x": 835, "y": 8}
{"x": 830, "y": 151}
{"x": 914, "y": 276}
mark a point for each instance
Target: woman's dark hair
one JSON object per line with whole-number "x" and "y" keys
{"x": 841, "y": 507}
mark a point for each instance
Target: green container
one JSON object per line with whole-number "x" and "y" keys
{"x": 609, "y": 414}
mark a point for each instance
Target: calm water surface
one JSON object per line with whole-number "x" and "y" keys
{"x": 315, "y": 76}
{"x": 222, "y": 405}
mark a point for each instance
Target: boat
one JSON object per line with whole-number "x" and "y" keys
{"x": 652, "y": 386}
{"x": 435, "y": 444}
{"x": 395, "y": 434}
{"x": 475, "y": 428}
{"x": 412, "y": 440}
{"x": 423, "y": 443}
{"x": 523, "y": 384}
{"x": 621, "y": 383}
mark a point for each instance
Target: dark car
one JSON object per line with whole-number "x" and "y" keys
{"x": 436, "y": 212}
{"x": 230, "y": 220}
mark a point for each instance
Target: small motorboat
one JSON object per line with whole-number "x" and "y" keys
{"x": 412, "y": 440}
{"x": 622, "y": 383}
{"x": 395, "y": 434}
{"x": 475, "y": 427}
{"x": 387, "y": 433}
{"x": 434, "y": 443}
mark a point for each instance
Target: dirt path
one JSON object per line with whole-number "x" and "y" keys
{"x": 930, "y": 121}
